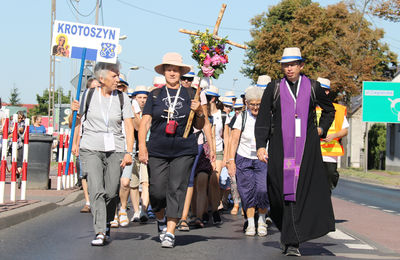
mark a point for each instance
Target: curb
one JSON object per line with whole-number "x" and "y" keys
{"x": 19, "y": 215}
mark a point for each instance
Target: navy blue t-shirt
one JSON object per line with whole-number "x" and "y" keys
{"x": 160, "y": 143}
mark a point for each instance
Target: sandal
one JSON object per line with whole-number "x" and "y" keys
{"x": 198, "y": 223}
{"x": 183, "y": 225}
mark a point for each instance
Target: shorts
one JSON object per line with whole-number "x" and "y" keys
{"x": 127, "y": 172}
{"x": 139, "y": 174}
{"x": 220, "y": 155}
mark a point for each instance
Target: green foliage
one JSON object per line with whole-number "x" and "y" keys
{"x": 14, "y": 97}
{"x": 376, "y": 146}
{"x": 43, "y": 102}
{"x": 337, "y": 43}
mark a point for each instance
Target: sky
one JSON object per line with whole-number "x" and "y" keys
{"x": 152, "y": 30}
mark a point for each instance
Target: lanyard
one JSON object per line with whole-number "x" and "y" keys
{"x": 171, "y": 108}
{"x": 105, "y": 115}
{"x": 290, "y": 91}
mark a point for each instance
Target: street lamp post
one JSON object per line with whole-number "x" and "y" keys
{"x": 130, "y": 69}
{"x": 234, "y": 81}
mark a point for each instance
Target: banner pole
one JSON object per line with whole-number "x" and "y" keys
{"x": 78, "y": 92}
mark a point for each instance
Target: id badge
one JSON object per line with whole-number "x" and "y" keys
{"x": 109, "y": 144}
{"x": 298, "y": 127}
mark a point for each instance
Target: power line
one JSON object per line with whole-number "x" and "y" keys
{"x": 77, "y": 11}
{"x": 178, "y": 19}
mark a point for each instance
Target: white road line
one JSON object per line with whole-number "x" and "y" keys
{"x": 359, "y": 246}
{"x": 389, "y": 211}
{"x": 340, "y": 235}
{"x": 373, "y": 207}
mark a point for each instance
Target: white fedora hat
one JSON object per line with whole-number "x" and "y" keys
{"x": 263, "y": 81}
{"x": 226, "y": 101}
{"x": 230, "y": 94}
{"x": 172, "y": 58}
{"x": 141, "y": 90}
{"x": 325, "y": 83}
{"x": 212, "y": 91}
{"x": 238, "y": 103}
{"x": 159, "y": 81}
{"x": 291, "y": 54}
{"x": 130, "y": 91}
{"x": 191, "y": 73}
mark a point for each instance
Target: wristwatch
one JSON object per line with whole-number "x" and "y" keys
{"x": 131, "y": 153}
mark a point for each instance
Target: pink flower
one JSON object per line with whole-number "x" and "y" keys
{"x": 208, "y": 71}
{"x": 207, "y": 60}
{"x": 216, "y": 60}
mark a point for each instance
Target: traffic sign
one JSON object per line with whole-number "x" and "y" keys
{"x": 87, "y": 74}
{"x": 381, "y": 102}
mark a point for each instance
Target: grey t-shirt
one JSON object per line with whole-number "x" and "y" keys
{"x": 94, "y": 127}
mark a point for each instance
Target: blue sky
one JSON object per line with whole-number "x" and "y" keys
{"x": 25, "y": 41}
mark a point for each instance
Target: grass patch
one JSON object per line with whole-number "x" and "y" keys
{"x": 386, "y": 178}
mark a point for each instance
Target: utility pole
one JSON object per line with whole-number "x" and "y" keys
{"x": 97, "y": 12}
{"x": 52, "y": 69}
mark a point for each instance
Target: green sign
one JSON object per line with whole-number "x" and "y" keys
{"x": 381, "y": 102}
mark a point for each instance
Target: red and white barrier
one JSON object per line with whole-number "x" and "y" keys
{"x": 71, "y": 171}
{"x": 25, "y": 161}
{"x": 14, "y": 158}
{"x": 4, "y": 158}
{"x": 60, "y": 158}
{"x": 65, "y": 180}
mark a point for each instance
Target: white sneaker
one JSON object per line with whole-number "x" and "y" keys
{"x": 251, "y": 231}
{"x": 168, "y": 241}
{"x": 123, "y": 219}
{"x": 136, "y": 217}
{"x": 99, "y": 240}
{"x": 262, "y": 229}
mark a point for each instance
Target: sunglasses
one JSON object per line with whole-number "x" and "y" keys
{"x": 187, "y": 78}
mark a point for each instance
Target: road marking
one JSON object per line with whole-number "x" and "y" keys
{"x": 373, "y": 207}
{"x": 389, "y": 211}
{"x": 340, "y": 235}
{"x": 359, "y": 246}
{"x": 365, "y": 256}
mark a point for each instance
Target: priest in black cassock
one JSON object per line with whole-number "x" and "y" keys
{"x": 298, "y": 190}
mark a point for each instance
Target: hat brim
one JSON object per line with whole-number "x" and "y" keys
{"x": 160, "y": 68}
{"x": 290, "y": 60}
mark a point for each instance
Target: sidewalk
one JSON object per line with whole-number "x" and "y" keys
{"x": 38, "y": 202}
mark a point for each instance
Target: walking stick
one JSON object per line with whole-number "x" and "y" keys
{"x": 191, "y": 115}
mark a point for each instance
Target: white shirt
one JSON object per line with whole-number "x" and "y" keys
{"x": 219, "y": 131}
{"x": 247, "y": 145}
{"x": 334, "y": 159}
{"x": 135, "y": 106}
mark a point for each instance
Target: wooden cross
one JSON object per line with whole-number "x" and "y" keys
{"x": 215, "y": 36}
{"x": 216, "y": 28}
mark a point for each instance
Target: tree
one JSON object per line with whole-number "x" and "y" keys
{"x": 338, "y": 44}
{"x": 14, "y": 97}
{"x": 388, "y": 10}
{"x": 43, "y": 102}
{"x": 377, "y": 146}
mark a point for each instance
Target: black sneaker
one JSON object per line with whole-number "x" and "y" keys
{"x": 205, "y": 218}
{"x": 245, "y": 225}
{"x": 108, "y": 232}
{"x": 292, "y": 251}
{"x": 216, "y": 218}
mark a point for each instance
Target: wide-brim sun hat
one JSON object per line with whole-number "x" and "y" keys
{"x": 291, "y": 54}
{"x": 212, "y": 91}
{"x": 190, "y": 74}
{"x": 226, "y": 101}
{"x": 172, "y": 58}
{"x": 263, "y": 81}
{"x": 238, "y": 103}
{"x": 325, "y": 83}
{"x": 141, "y": 90}
{"x": 230, "y": 94}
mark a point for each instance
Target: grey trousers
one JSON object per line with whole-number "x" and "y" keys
{"x": 103, "y": 172}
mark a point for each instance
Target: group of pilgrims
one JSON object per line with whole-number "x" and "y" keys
{"x": 261, "y": 152}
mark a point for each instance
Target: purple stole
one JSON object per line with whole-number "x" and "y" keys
{"x": 293, "y": 147}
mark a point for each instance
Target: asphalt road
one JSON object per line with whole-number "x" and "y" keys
{"x": 64, "y": 233}
{"x": 369, "y": 195}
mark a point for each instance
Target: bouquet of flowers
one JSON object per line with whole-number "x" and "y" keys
{"x": 210, "y": 53}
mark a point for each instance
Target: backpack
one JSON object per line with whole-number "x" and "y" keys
{"x": 89, "y": 99}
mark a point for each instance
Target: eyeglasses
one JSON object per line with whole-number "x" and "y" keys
{"x": 254, "y": 105}
{"x": 187, "y": 78}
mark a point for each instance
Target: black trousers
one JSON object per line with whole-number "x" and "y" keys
{"x": 332, "y": 174}
{"x": 169, "y": 179}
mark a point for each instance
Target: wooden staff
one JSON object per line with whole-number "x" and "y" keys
{"x": 216, "y": 37}
{"x": 221, "y": 13}
{"x": 191, "y": 115}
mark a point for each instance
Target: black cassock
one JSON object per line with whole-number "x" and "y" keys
{"x": 311, "y": 215}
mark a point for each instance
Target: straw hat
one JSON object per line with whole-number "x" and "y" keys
{"x": 141, "y": 90}
{"x": 159, "y": 81}
{"x": 123, "y": 82}
{"x": 212, "y": 91}
{"x": 130, "y": 91}
{"x": 291, "y": 54}
{"x": 172, "y": 58}
{"x": 238, "y": 103}
{"x": 226, "y": 101}
{"x": 191, "y": 73}
{"x": 263, "y": 81}
{"x": 325, "y": 83}
{"x": 230, "y": 94}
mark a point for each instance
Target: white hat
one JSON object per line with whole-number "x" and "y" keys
{"x": 238, "y": 103}
{"x": 159, "y": 81}
{"x": 205, "y": 83}
{"x": 226, "y": 101}
{"x": 325, "y": 83}
{"x": 195, "y": 82}
{"x": 291, "y": 54}
{"x": 172, "y": 58}
{"x": 212, "y": 91}
{"x": 141, "y": 90}
{"x": 130, "y": 91}
{"x": 263, "y": 81}
{"x": 242, "y": 95}
{"x": 191, "y": 73}
{"x": 230, "y": 94}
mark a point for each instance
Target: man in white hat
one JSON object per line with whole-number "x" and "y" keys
{"x": 331, "y": 147}
{"x": 298, "y": 189}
